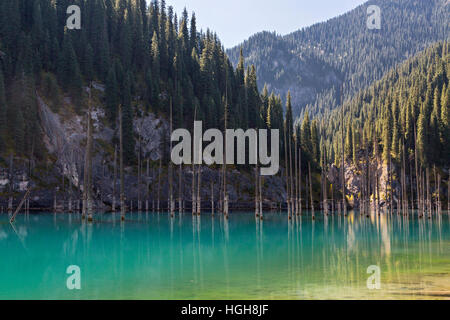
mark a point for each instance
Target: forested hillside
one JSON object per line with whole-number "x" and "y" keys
{"x": 408, "y": 109}
{"x": 316, "y": 62}
{"x": 146, "y": 59}
{"x": 145, "y": 55}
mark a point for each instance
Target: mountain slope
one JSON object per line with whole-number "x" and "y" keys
{"x": 406, "y": 109}
{"x": 316, "y": 62}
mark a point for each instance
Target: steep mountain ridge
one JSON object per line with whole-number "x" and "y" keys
{"x": 317, "y": 62}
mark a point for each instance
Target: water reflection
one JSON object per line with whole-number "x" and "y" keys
{"x": 205, "y": 257}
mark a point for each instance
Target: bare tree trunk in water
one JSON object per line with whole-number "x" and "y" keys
{"x": 88, "y": 163}
{"x": 139, "y": 174}
{"x": 122, "y": 178}
{"x": 85, "y": 174}
{"x": 428, "y": 195}
{"x": 310, "y": 190}
{"x": 286, "y": 173}
{"x": 260, "y": 197}
{"x": 435, "y": 189}
{"x": 391, "y": 202}
{"x": 417, "y": 171}
{"x": 295, "y": 195}
{"x": 300, "y": 179}
{"x": 212, "y": 198}
{"x": 291, "y": 191}
{"x": 147, "y": 185}
{"x": 113, "y": 207}
{"x": 180, "y": 195}
{"x": 256, "y": 192}
{"x": 153, "y": 191}
{"x": 194, "y": 201}
{"x": 159, "y": 184}
{"x": 11, "y": 184}
{"x": 225, "y": 192}
{"x": 325, "y": 188}
{"x": 439, "y": 209}
{"x": 344, "y": 207}
{"x": 199, "y": 183}
{"x": 171, "y": 198}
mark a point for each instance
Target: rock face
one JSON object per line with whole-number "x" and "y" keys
{"x": 354, "y": 180}
{"x": 61, "y": 181}
{"x": 283, "y": 67}
{"x": 151, "y": 131}
{"x": 64, "y": 141}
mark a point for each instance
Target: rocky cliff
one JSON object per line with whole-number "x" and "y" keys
{"x": 60, "y": 180}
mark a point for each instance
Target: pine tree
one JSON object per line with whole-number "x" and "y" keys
{"x": 315, "y": 141}
{"x": 68, "y": 69}
{"x": 193, "y": 33}
{"x": 19, "y": 131}
{"x": 155, "y": 69}
{"x": 264, "y": 103}
{"x": 348, "y": 141}
{"x": 112, "y": 98}
{"x": 355, "y": 146}
{"x": 127, "y": 125}
{"x": 289, "y": 118}
{"x": 387, "y": 134}
{"x": 434, "y": 138}
{"x": 253, "y": 99}
{"x": 88, "y": 63}
{"x": 184, "y": 38}
{"x": 445, "y": 105}
{"x": 38, "y": 36}
{"x": 395, "y": 148}
{"x": 306, "y": 135}
{"x": 422, "y": 139}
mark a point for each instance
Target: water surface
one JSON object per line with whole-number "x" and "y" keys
{"x": 153, "y": 256}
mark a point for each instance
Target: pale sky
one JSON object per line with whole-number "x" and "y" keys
{"x": 236, "y": 20}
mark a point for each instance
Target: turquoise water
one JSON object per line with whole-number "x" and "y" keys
{"x": 151, "y": 256}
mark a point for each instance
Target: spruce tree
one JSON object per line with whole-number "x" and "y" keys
{"x": 19, "y": 131}
{"x": 315, "y": 141}
{"x": 155, "y": 69}
{"x": 68, "y": 69}
{"x": 112, "y": 97}
{"x": 422, "y": 139}
{"x": 306, "y": 135}
{"x": 348, "y": 141}
{"x": 289, "y": 118}
{"x": 193, "y": 33}
{"x": 387, "y": 134}
{"x": 127, "y": 122}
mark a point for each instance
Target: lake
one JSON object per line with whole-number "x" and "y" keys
{"x": 153, "y": 256}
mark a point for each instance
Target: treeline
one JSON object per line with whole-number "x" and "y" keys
{"x": 146, "y": 56}
{"x": 403, "y": 115}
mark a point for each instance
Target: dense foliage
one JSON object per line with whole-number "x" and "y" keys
{"x": 408, "y": 108}
{"x": 146, "y": 56}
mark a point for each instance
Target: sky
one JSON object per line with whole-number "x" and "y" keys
{"x": 236, "y": 20}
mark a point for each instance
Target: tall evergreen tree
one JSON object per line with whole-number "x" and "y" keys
{"x": 112, "y": 97}
{"x": 422, "y": 139}
{"x": 127, "y": 122}
{"x": 387, "y": 134}
{"x": 306, "y": 135}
